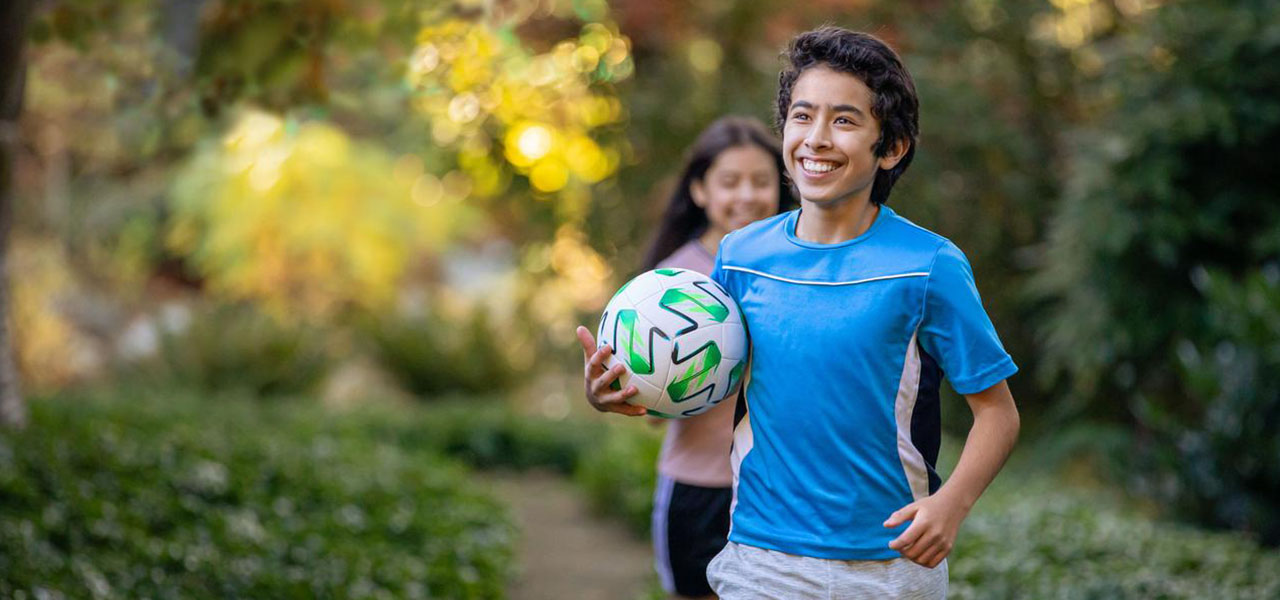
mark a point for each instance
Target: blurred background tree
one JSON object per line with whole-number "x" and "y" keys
{"x": 446, "y": 188}
{"x": 1161, "y": 261}
{"x": 13, "y": 73}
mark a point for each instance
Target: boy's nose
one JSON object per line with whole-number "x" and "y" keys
{"x": 817, "y": 138}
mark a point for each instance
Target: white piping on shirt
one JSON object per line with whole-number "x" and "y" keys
{"x": 803, "y": 282}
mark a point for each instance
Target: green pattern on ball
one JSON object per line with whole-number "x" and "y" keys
{"x": 700, "y": 368}
{"x": 668, "y": 272}
{"x": 692, "y": 300}
{"x": 633, "y": 346}
{"x": 735, "y": 374}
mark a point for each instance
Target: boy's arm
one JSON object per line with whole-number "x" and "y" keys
{"x": 936, "y": 519}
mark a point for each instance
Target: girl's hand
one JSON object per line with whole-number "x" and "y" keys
{"x": 598, "y": 378}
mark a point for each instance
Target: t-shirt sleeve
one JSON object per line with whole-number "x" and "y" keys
{"x": 956, "y": 330}
{"x": 717, "y": 272}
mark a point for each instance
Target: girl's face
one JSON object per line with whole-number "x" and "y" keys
{"x": 829, "y": 135}
{"x": 740, "y": 187}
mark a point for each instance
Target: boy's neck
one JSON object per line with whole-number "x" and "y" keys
{"x": 835, "y": 222}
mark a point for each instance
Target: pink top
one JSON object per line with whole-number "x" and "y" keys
{"x": 696, "y": 449}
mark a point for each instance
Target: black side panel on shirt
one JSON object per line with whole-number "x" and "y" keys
{"x": 926, "y": 419}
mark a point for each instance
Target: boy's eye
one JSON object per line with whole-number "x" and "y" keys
{"x": 844, "y": 121}
{"x": 800, "y": 116}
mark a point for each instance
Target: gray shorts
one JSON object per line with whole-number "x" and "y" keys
{"x": 745, "y": 572}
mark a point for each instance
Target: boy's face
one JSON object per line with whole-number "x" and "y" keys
{"x": 828, "y": 137}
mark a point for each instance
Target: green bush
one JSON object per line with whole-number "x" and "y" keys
{"x": 1038, "y": 539}
{"x": 613, "y": 461}
{"x": 1223, "y": 469}
{"x": 1171, "y": 187}
{"x": 619, "y": 474}
{"x": 237, "y": 347}
{"x": 1174, "y": 178}
{"x": 487, "y": 434}
{"x": 164, "y": 497}
{"x": 429, "y": 355}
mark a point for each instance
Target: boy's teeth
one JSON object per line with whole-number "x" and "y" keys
{"x": 818, "y": 167}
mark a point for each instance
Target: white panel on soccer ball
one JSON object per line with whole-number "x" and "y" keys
{"x": 647, "y": 395}
{"x": 642, "y": 287}
{"x": 733, "y": 341}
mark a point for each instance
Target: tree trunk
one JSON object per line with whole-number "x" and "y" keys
{"x": 14, "y": 15}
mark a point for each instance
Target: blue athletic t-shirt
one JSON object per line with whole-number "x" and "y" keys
{"x": 840, "y": 427}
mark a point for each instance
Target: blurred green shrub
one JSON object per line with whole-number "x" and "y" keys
{"x": 165, "y": 497}
{"x": 490, "y": 435}
{"x": 1175, "y": 177}
{"x": 1224, "y": 469}
{"x": 237, "y": 347}
{"x": 614, "y": 463}
{"x": 1034, "y": 538}
{"x": 1156, "y": 256}
{"x": 431, "y": 354}
{"x": 620, "y": 473}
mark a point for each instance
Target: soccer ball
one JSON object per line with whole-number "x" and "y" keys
{"x": 682, "y": 339}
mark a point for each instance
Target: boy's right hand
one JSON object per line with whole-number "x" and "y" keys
{"x": 598, "y": 378}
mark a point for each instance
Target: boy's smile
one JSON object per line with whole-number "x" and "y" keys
{"x": 829, "y": 136}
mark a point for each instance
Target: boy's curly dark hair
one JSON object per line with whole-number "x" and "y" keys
{"x": 878, "y": 67}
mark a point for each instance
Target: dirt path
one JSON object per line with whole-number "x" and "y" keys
{"x": 567, "y": 552}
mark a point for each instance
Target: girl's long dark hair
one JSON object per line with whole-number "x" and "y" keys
{"x": 683, "y": 220}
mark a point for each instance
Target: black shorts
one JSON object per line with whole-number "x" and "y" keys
{"x": 690, "y": 526}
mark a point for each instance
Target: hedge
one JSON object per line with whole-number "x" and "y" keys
{"x": 147, "y": 496}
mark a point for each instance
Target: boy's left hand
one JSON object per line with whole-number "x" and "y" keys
{"x": 934, "y": 524}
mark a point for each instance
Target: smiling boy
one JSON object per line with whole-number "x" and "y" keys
{"x": 855, "y": 315}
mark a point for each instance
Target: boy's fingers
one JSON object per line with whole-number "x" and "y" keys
{"x": 605, "y": 394}
{"x": 902, "y": 515}
{"x": 588, "y": 342}
{"x": 600, "y": 384}
{"x": 931, "y": 557}
{"x": 908, "y": 537}
{"x": 595, "y": 364}
{"x": 617, "y": 402}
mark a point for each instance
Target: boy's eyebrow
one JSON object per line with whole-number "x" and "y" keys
{"x": 837, "y": 108}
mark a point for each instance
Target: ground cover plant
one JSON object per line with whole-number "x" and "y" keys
{"x": 128, "y": 495}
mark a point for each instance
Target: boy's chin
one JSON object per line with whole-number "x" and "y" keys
{"x": 825, "y": 198}
{"x": 828, "y": 197}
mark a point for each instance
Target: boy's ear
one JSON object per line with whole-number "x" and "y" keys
{"x": 699, "y": 193}
{"x": 895, "y": 154}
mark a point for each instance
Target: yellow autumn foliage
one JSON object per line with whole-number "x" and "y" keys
{"x": 50, "y": 351}
{"x": 477, "y": 84}
{"x": 306, "y": 221}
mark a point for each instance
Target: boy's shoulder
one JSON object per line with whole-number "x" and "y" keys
{"x": 902, "y": 229}
{"x": 756, "y": 233}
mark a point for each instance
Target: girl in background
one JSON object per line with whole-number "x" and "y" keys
{"x": 731, "y": 178}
